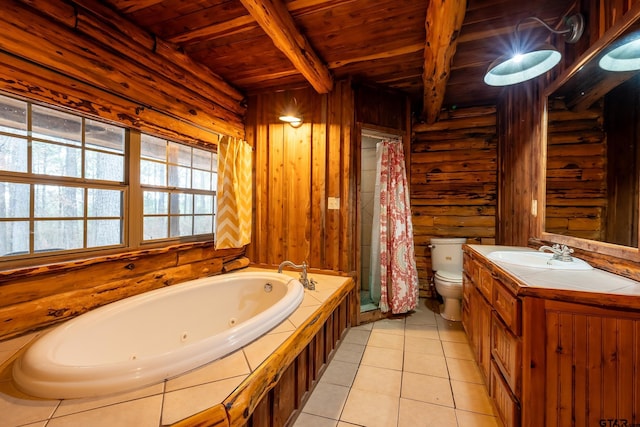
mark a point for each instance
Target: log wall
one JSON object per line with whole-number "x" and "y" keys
{"x": 453, "y": 182}
{"x": 86, "y": 58}
{"x": 297, "y": 171}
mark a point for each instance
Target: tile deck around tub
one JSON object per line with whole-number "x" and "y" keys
{"x": 163, "y": 403}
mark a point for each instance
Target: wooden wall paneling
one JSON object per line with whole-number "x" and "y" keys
{"x": 348, "y": 179}
{"x": 519, "y": 130}
{"x": 306, "y": 166}
{"x": 297, "y": 172}
{"x": 334, "y": 142}
{"x": 275, "y": 219}
{"x": 318, "y": 243}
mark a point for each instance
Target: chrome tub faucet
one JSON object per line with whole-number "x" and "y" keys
{"x": 560, "y": 253}
{"x": 306, "y": 282}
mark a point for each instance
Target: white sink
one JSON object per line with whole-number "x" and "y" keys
{"x": 534, "y": 259}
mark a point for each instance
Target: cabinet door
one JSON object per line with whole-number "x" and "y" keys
{"x": 506, "y": 404}
{"x": 592, "y": 365}
{"x": 481, "y": 315}
{"x": 506, "y": 350}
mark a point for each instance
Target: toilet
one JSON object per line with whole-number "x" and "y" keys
{"x": 446, "y": 261}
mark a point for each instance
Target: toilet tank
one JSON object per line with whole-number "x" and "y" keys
{"x": 446, "y": 253}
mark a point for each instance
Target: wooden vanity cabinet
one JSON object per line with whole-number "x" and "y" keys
{"x": 494, "y": 325}
{"x": 553, "y": 358}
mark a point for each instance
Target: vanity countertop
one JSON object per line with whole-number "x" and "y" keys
{"x": 589, "y": 286}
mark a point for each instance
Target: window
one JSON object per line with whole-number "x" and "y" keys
{"x": 178, "y": 186}
{"x": 64, "y": 186}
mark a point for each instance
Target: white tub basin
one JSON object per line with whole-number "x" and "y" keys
{"x": 535, "y": 259}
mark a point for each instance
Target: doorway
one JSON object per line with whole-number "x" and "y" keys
{"x": 369, "y": 270}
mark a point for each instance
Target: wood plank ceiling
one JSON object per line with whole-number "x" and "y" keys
{"x": 267, "y": 45}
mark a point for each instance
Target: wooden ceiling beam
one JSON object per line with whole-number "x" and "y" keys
{"x": 443, "y": 22}
{"x": 274, "y": 18}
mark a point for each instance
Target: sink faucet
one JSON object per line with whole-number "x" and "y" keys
{"x": 560, "y": 253}
{"x": 306, "y": 282}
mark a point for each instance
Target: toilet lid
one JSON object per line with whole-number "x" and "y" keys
{"x": 450, "y": 276}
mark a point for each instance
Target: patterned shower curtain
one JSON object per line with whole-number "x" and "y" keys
{"x": 233, "y": 222}
{"x": 398, "y": 273}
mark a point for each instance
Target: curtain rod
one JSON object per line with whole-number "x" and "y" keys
{"x": 381, "y": 137}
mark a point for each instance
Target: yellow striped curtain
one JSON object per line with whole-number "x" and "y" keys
{"x": 233, "y": 224}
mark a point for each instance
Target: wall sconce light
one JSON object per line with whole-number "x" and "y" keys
{"x": 625, "y": 57}
{"x": 522, "y": 66}
{"x": 291, "y": 114}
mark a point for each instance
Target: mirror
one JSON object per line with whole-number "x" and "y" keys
{"x": 593, "y": 146}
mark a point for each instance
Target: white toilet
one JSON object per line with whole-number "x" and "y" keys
{"x": 446, "y": 261}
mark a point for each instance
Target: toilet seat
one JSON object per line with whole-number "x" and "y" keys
{"x": 449, "y": 277}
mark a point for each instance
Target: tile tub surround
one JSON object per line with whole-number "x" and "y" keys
{"x": 165, "y": 403}
{"x": 413, "y": 371}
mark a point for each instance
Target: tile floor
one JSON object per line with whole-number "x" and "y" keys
{"x": 406, "y": 372}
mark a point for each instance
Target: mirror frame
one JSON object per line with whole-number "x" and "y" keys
{"x": 626, "y": 253}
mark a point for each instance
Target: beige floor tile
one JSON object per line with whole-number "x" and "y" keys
{"x": 476, "y": 420}
{"x": 343, "y": 424}
{"x": 340, "y": 373}
{"x": 259, "y": 350}
{"x": 423, "y": 346}
{"x": 188, "y": 401}
{"x": 421, "y": 316}
{"x": 378, "y": 380}
{"x": 357, "y": 336}
{"x": 420, "y": 414}
{"x": 390, "y": 326}
{"x": 455, "y": 335}
{"x": 464, "y": 370}
{"x": 427, "y": 364}
{"x": 18, "y": 409}
{"x": 448, "y": 324}
{"x": 234, "y": 365}
{"x": 382, "y": 358}
{"x": 348, "y": 352}
{"x": 327, "y": 400}
{"x": 141, "y": 412}
{"x": 472, "y": 397}
{"x": 422, "y": 331}
{"x": 72, "y": 406}
{"x": 382, "y": 339}
{"x": 457, "y": 350}
{"x": 426, "y": 388}
{"x": 309, "y": 420}
{"x": 364, "y": 326}
{"x": 370, "y": 409}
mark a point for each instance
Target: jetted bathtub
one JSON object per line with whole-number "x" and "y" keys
{"x": 147, "y": 338}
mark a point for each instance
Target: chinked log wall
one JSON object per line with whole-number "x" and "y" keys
{"x": 85, "y": 58}
{"x": 576, "y": 172}
{"x": 453, "y": 182}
